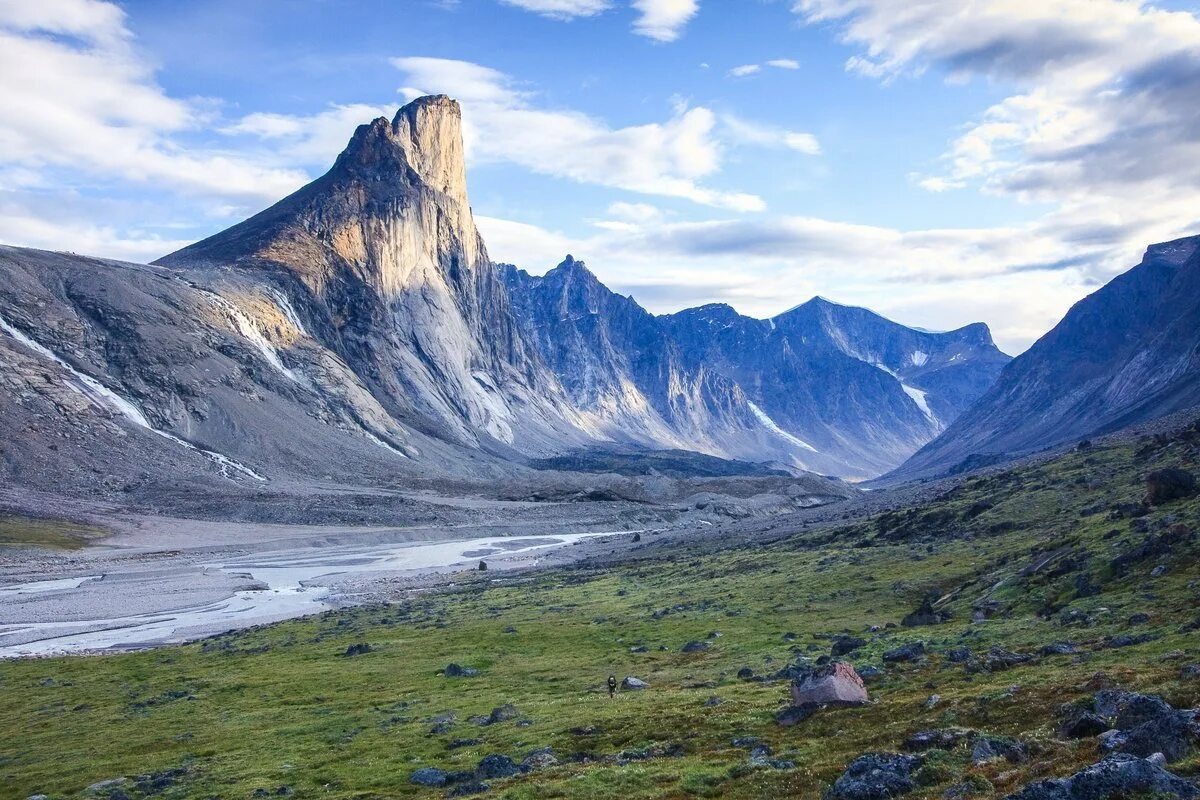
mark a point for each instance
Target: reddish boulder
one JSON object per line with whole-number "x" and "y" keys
{"x": 833, "y": 684}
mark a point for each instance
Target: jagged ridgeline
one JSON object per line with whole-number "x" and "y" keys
{"x": 357, "y": 330}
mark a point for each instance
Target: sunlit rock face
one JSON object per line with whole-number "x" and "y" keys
{"x": 384, "y": 251}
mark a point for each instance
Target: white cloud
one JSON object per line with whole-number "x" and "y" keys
{"x": 80, "y": 97}
{"x": 1103, "y": 111}
{"x": 742, "y": 130}
{"x": 938, "y": 278}
{"x": 744, "y": 70}
{"x": 502, "y": 124}
{"x": 311, "y": 140}
{"x": 561, "y": 9}
{"x": 663, "y": 20}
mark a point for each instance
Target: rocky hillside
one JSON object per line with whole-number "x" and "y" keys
{"x": 823, "y": 387}
{"x": 1126, "y": 354}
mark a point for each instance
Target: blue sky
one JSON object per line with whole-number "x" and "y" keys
{"x": 941, "y": 164}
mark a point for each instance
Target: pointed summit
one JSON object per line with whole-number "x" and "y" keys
{"x": 392, "y": 212}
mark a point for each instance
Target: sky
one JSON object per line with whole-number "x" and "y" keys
{"x": 939, "y": 162}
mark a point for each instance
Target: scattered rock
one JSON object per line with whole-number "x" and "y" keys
{"x": 361, "y": 648}
{"x": 1116, "y": 776}
{"x": 713, "y": 702}
{"x": 876, "y": 776}
{"x": 497, "y": 766}
{"x": 835, "y": 683}
{"x": 503, "y": 713}
{"x": 846, "y": 645}
{"x": 870, "y": 674}
{"x": 1165, "y": 485}
{"x": 540, "y": 759}
{"x": 932, "y": 701}
{"x": 430, "y": 776}
{"x": 694, "y": 647}
{"x": 908, "y": 652}
{"x": 926, "y": 615}
{"x": 1081, "y": 724}
{"x": 634, "y": 684}
{"x": 1059, "y": 649}
{"x": 958, "y": 655}
{"x": 990, "y": 748}
{"x": 745, "y": 673}
{"x": 456, "y": 671}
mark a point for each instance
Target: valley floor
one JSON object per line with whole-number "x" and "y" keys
{"x": 1059, "y": 552}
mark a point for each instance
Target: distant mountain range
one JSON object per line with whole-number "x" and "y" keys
{"x": 824, "y": 387}
{"x": 1126, "y": 354}
{"x": 358, "y": 331}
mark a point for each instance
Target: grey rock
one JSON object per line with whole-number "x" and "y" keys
{"x": 631, "y": 683}
{"x": 876, "y": 776}
{"x": 1115, "y": 776}
{"x": 430, "y": 776}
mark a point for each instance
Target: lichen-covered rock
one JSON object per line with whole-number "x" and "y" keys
{"x": 876, "y": 776}
{"x": 1117, "y": 776}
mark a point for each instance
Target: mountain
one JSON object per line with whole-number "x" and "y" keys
{"x": 356, "y": 333}
{"x": 384, "y": 252}
{"x": 1128, "y": 353}
{"x": 822, "y": 387}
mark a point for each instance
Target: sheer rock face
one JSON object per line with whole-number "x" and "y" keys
{"x": 384, "y": 252}
{"x": 1128, "y": 353}
{"x": 823, "y": 387}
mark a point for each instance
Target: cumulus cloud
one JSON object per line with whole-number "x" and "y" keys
{"x": 663, "y": 20}
{"x": 503, "y": 124}
{"x": 784, "y": 63}
{"x": 80, "y": 97}
{"x": 1103, "y": 122}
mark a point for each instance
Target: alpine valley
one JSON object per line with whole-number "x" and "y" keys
{"x": 352, "y": 511}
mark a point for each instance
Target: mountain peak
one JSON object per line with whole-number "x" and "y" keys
{"x": 429, "y": 131}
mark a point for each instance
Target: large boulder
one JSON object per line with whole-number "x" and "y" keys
{"x": 1174, "y": 734}
{"x": 634, "y": 684}
{"x": 497, "y": 766}
{"x": 876, "y": 776}
{"x": 835, "y": 683}
{"x": 430, "y": 776}
{"x": 908, "y": 652}
{"x": 1165, "y": 485}
{"x": 1117, "y": 776}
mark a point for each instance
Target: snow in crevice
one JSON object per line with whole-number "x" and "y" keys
{"x": 918, "y": 397}
{"x": 250, "y": 331}
{"x": 771, "y": 425}
{"x": 381, "y": 443}
{"x": 920, "y": 358}
{"x": 101, "y": 396}
{"x": 289, "y": 312}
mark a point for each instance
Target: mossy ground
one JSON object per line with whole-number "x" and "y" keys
{"x": 23, "y": 532}
{"x": 282, "y": 707}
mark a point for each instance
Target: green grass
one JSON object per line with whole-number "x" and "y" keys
{"x": 279, "y": 706}
{"x": 54, "y": 534}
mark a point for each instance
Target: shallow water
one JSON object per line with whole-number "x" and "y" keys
{"x": 289, "y": 592}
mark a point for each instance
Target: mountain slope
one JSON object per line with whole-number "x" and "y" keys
{"x": 823, "y": 387}
{"x": 384, "y": 252}
{"x": 1128, "y": 353}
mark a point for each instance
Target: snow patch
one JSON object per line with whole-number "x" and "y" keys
{"x": 285, "y": 306}
{"x": 249, "y": 329}
{"x": 770, "y": 425}
{"x": 920, "y": 358}
{"x": 918, "y": 397}
{"x": 103, "y": 397}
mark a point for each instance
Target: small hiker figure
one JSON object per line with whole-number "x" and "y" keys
{"x": 612, "y": 686}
